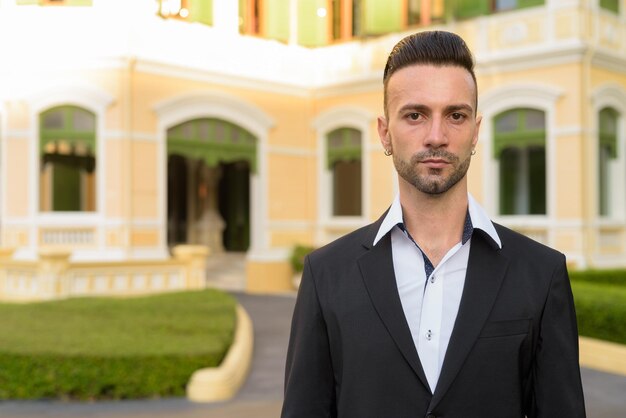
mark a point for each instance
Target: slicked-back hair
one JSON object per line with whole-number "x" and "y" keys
{"x": 438, "y": 48}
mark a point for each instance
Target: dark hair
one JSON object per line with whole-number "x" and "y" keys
{"x": 438, "y": 48}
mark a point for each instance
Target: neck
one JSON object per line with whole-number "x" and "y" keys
{"x": 434, "y": 221}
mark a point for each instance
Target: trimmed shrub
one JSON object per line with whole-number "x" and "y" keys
{"x": 601, "y": 310}
{"x": 108, "y": 348}
{"x": 298, "y": 254}
{"x": 617, "y": 277}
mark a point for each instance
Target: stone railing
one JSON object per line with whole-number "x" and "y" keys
{"x": 54, "y": 276}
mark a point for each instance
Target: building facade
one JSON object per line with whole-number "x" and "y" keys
{"x": 127, "y": 128}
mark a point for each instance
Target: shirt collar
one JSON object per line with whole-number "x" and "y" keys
{"x": 478, "y": 219}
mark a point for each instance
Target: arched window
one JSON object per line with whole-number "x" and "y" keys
{"x": 68, "y": 159}
{"x": 607, "y": 154}
{"x": 519, "y": 145}
{"x": 344, "y": 163}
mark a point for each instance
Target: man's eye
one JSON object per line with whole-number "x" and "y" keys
{"x": 414, "y": 116}
{"x": 458, "y": 116}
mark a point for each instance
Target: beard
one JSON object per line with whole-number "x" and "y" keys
{"x": 433, "y": 182}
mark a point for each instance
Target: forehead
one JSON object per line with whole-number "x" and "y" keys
{"x": 431, "y": 86}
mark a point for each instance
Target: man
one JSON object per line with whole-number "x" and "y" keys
{"x": 433, "y": 310}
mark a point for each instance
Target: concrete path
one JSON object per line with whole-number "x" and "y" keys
{"x": 261, "y": 395}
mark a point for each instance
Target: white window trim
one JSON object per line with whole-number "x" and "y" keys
{"x": 614, "y": 96}
{"x": 211, "y": 104}
{"x": 520, "y": 95}
{"x": 327, "y": 121}
{"x": 86, "y": 96}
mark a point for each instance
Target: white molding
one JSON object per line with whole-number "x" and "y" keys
{"x": 206, "y": 76}
{"x": 274, "y": 255}
{"x": 185, "y": 107}
{"x": 16, "y": 134}
{"x": 569, "y": 130}
{"x": 290, "y": 224}
{"x": 511, "y": 96}
{"x": 341, "y": 117}
{"x": 87, "y": 96}
{"x": 116, "y": 134}
{"x": 531, "y": 56}
{"x": 610, "y": 95}
{"x": 291, "y": 151}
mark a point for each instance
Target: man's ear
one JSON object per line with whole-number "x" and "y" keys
{"x": 383, "y": 133}
{"x": 479, "y": 119}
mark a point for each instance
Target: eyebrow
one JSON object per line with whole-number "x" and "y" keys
{"x": 425, "y": 109}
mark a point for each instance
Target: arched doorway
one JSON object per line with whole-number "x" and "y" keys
{"x": 208, "y": 199}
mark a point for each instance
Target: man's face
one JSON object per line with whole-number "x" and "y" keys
{"x": 430, "y": 125}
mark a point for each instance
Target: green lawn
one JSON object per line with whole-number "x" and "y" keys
{"x": 99, "y": 348}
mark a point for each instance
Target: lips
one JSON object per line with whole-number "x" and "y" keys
{"x": 435, "y": 163}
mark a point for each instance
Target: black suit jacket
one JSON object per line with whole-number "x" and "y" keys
{"x": 513, "y": 350}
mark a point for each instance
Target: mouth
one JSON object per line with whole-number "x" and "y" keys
{"x": 435, "y": 163}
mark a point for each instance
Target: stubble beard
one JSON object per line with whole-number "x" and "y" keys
{"x": 434, "y": 182}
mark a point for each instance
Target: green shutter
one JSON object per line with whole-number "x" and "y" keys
{"x": 608, "y": 130}
{"x": 612, "y": 5}
{"x": 380, "y": 17}
{"x": 312, "y": 29}
{"x": 201, "y": 11}
{"x": 464, "y": 9}
{"x": 276, "y": 19}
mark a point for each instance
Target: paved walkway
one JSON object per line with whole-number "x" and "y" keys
{"x": 261, "y": 395}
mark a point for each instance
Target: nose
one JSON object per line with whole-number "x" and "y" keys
{"x": 436, "y": 136}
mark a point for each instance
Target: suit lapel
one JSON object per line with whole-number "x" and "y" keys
{"x": 485, "y": 271}
{"x": 376, "y": 267}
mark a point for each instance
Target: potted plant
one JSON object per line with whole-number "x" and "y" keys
{"x": 298, "y": 253}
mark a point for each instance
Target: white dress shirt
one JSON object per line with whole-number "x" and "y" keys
{"x": 431, "y": 301}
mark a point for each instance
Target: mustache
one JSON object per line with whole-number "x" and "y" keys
{"x": 436, "y": 153}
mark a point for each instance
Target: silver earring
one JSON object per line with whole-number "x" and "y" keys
{"x": 387, "y": 152}
{"x": 473, "y": 152}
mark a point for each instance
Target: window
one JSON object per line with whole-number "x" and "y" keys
{"x": 607, "y": 154}
{"x": 425, "y": 12}
{"x": 344, "y": 163}
{"x": 68, "y": 162}
{"x": 189, "y": 10}
{"x": 611, "y": 5}
{"x": 472, "y": 8}
{"x": 519, "y": 145}
{"x": 250, "y": 17}
{"x": 346, "y": 19}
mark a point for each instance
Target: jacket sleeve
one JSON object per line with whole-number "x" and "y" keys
{"x": 557, "y": 386}
{"x": 309, "y": 381}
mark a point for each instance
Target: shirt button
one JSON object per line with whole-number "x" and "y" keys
{"x": 429, "y": 335}
{"x": 432, "y": 278}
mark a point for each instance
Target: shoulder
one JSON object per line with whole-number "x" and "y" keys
{"x": 348, "y": 247}
{"x": 518, "y": 246}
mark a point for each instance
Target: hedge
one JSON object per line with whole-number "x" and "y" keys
{"x": 617, "y": 277}
{"x": 601, "y": 310}
{"x": 107, "y": 348}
